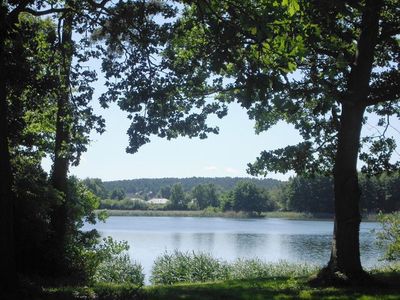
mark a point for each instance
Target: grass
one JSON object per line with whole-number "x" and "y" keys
{"x": 270, "y": 288}
{"x": 285, "y": 281}
{"x": 178, "y": 266}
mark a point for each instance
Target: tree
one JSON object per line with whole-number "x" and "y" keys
{"x": 346, "y": 56}
{"x": 165, "y": 192}
{"x": 389, "y": 236}
{"x": 178, "y": 198}
{"x": 118, "y": 194}
{"x": 248, "y": 197}
{"x": 29, "y": 88}
{"x": 11, "y": 63}
{"x": 96, "y": 186}
{"x": 318, "y": 65}
{"x": 310, "y": 194}
{"x": 205, "y": 195}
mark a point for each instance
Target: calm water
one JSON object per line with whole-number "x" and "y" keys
{"x": 269, "y": 239}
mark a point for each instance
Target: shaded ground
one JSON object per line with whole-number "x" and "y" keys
{"x": 271, "y": 288}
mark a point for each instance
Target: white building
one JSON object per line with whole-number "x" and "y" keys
{"x": 158, "y": 201}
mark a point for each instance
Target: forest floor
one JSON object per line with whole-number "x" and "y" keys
{"x": 271, "y": 288}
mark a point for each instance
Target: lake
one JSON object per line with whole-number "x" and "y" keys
{"x": 271, "y": 239}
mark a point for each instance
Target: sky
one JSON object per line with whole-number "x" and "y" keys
{"x": 225, "y": 154}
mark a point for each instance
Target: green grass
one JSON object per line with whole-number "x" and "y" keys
{"x": 178, "y": 267}
{"x": 271, "y": 288}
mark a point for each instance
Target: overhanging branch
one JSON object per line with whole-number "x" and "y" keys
{"x": 44, "y": 12}
{"x": 13, "y": 16}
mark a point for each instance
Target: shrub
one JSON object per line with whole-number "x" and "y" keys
{"x": 389, "y": 236}
{"x": 115, "y": 265}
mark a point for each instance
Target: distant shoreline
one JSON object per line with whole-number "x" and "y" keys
{"x": 228, "y": 214}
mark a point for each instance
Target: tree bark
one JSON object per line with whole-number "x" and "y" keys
{"x": 345, "y": 264}
{"x": 7, "y": 242}
{"x": 59, "y": 176}
{"x": 345, "y": 254}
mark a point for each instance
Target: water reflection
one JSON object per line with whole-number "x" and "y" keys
{"x": 204, "y": 241}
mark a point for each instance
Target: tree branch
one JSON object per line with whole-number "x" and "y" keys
{"x": 44, "y": 12}
{"x": 13, "y": 16}
{"x": 98, "y": 4}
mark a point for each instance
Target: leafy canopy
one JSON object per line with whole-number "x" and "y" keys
{"x": 284, "y": 60}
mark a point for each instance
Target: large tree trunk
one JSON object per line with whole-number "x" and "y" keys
{"x": 7, "y": 253}
{"x": 345, "y": 255}
{"x": 59, "y": 176}
{"x": 345, "y": 265}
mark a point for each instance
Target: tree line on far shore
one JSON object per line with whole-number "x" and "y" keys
{"x": 300, "y": 194}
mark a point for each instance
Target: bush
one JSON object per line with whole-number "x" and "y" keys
{"x": 389, "y": 237}
{"x": 201, "y": 267}
{"x": 115, "y": 265}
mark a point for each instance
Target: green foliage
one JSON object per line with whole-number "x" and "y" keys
{"x": 310, "y": 194}
{"x": 205, "y": 195}
{"x": 118, "y": 194}
{"x": 380, "y": 193}
{"x": 124, "y": 204}
{"x": 187, "y": 267}
{"x": 179, "y": 199}
{"x": 389, "y": 236}
{"x": 165, "y": 192}
{"x": 79, "y": 260}
{"x": 32, "y": 60}
{"x": 248, "y": 197}
{"x": 34, "y": 199}
{"x": 35, "y": 202}
{"x": 96, "y": 186}
{"x": 315, "y": 194}
{"x": 270, "y": 288}
{"x": 178, "y": 266}
{"x": 115, "y": 265}
{"x": 256, "y": 268}
{"x": 163, "y": 186}
{"x": 291, "y": 61}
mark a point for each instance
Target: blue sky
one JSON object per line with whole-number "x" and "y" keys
{"x": 225, "y": 154}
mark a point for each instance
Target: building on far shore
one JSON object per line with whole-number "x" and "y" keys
{"x": 157, "y": 201}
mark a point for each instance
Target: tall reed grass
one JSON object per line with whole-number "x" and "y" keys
{"x": 178, "y": 266}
